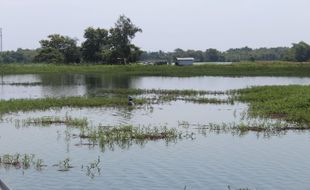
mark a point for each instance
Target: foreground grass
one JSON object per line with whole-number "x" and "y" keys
{"x": 290, "y": 103}
{"x": 15, "y": 105}
{"x": 240, "y": 69}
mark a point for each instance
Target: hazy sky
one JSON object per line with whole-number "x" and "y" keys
{"x": 166, "y": 24}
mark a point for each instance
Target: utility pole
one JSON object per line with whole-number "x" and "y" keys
{"x": 0, "y": 39}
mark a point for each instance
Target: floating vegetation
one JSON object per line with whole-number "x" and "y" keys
{"x": 21, "y": 161}
{"x": 48, "y": 120}
{"x": 266, "y": 128}
{"x": 125, "y": 136}
{"x": 15, "y": 105}
{"x": 289, "y": 103}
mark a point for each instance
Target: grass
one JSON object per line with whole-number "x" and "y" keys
{"x": 241, "y": 69}
{"x": 48, "y": 120}
{"x": 194, "y": 96}
{"x": 289, "y": 103}
{"x": 109, "y": 137}
{"x": 120, "y": 99}
{"x": 19, "y": 161}
{"x": 15, "y": 105}
{"x": 126, "y": 91}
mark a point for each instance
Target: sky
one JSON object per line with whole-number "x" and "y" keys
{"x": 166, "y": 24}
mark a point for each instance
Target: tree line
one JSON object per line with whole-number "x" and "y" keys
{"x": 114, "y": 46}
{"x": 101, "y": 45}
{"x": 298, "y": 52}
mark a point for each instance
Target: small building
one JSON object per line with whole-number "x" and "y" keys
{"x": 185, "y": 61}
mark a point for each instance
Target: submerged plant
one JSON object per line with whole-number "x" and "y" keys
{"x": 20, "y": 161}
{"x": 64, "y": 165}
{"x": 93, "y": 169}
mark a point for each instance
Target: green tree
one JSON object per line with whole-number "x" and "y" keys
{"x": 213, "y": 55}
{"x": 96, "y": 46}
{"x": 58, "y": 45}
{"x": 301, "y": 51}
{"x": 120, "y": 39}
{"x": 49, "y": 55}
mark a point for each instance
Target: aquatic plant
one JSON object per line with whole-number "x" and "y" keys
{"x": 124, "y": 136}
{"x": 93, "y": 169}
{"x": 49, "y": 120}
{"x": 289, "y": 103}
{"x": 64, "y": 165}
{"x": 15, "y": 105}
{"x": 20, "y": 161}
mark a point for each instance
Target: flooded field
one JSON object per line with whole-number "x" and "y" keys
{"x": 193, "y": 157}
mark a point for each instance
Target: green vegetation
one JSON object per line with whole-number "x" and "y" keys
{"x": 131, "y": 91}
{"x": 15, "y": 105}
{"x": 110, "y": 137}
{"x": 20, "y": 161}
{"x": 46, "y": 121}
{"x": 64, "y": 165}
{"x": 290, "y": 103}
{"x": 241, "y": 69}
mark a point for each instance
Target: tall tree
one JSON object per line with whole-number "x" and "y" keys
{"x": 213, "y": 55}
{"x": 301, "y": 51}
{"x": 59, "y": 45}
{"x": 120, "y": 39}
{"x": 97, "y": 42}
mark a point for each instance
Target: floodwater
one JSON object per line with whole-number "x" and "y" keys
{"x": 207, "y": 161}
{"x": 58, "y": 85}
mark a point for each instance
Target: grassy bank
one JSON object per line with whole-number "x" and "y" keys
{"x": 15, "y": 105}
{"x": 240, "y": 69}
{"x": 290, "y": 103}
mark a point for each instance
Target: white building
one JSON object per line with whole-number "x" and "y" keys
{"x": 185, "y": 61}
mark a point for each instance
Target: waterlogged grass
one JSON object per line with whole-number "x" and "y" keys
{"x": 124, "y": 136}
{"x": 15, "y": 105}
{"x": 131, "y": 91}
{"x": 48, "y": 120}
{"x": 239, "y": 69}
{"x": 21, "y": 161}
{"x": 195, "y": 96}
{"x": 289, "y": 103}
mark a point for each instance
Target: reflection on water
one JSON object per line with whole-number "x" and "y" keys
{"x": 58, "y": 85}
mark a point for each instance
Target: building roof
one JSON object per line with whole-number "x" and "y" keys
{"x": 185, "y": 59}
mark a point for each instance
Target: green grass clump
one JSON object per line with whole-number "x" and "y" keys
{"x": 241, "y": 69}
{"x": 48, "y": 120}
{"x": 15, "y": 105}
{"x": 290, "y": 103}
{"x": 124, "y": 136}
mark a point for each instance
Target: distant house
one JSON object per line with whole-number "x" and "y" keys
{"x": 184, "y": 61}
